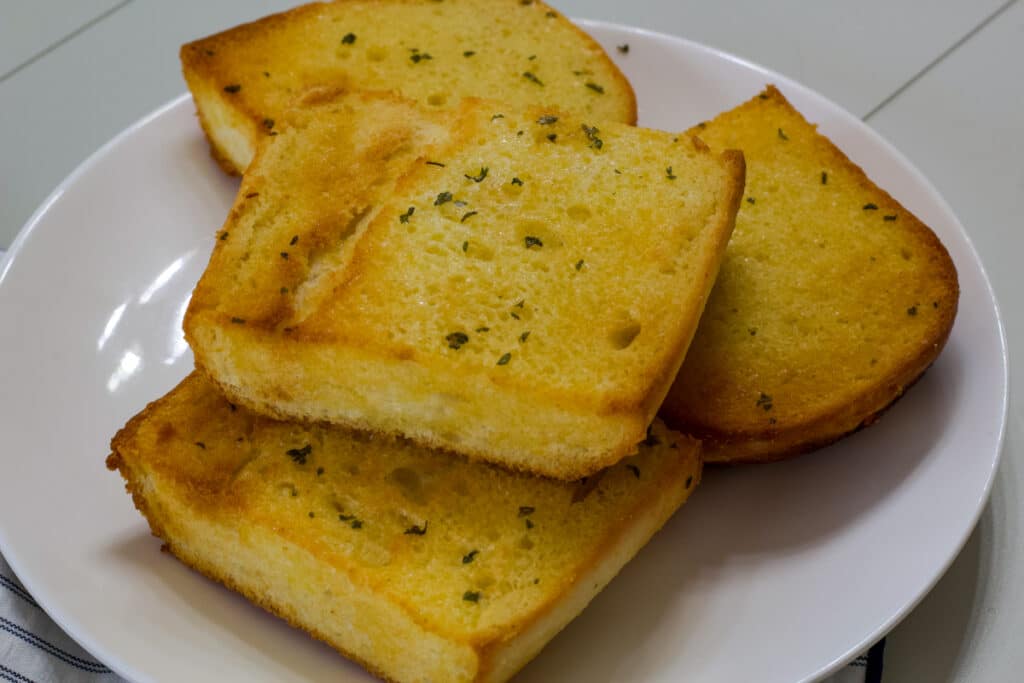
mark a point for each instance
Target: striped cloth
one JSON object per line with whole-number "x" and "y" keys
{"x": 33, "y": 649}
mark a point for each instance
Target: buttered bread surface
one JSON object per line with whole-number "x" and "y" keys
{"x": 515, "y": 285}
{"x": 244, "y": 79}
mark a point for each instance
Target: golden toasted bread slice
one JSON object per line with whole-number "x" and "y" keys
{"x": 420, "y": 566}
{"x": 244, "y": 79}
{"x": 831, "y": 301}
{"x": 524, "y": 292}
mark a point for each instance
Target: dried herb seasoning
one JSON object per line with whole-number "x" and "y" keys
{"x": 591, "y": 133}
{"x": 547, "y": 120}
{"x": 404, "y": 218}
{"x": 472, "y": 596}
{"x": 595, "y": 87}
{"x": 456, "y": 340}
{"x": 532, "y": 241}
{"x": 478, "y": 178}
{"x": 443, "y": 198}
{"x": 466, "y": 215}
{"x": 233, "y": 88}
{"x": 348, "y": 39}
{"x": 764, "y": 401}
{"x": 299, "y": 455}
{"x": 505, "y": 359}
{"x": 782, "y": 135}
{"x": 416, "y": 530}
{"x": 468, "y": 557}
{"x": 532, "y": 78}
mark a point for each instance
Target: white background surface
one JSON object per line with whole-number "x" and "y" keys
{"x": 940, "y": 80}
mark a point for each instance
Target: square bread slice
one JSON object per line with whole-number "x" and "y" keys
{"x": 518, "y": 286}
{"x": 517, "y": 51}
{"x": 833, "y": 298}
{"x": 420, "y": 566}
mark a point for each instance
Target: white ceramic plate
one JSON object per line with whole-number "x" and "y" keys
{"x": 776, "y": 573}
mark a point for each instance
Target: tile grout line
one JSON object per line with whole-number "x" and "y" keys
{"x": 78, "y": 31}
{"x": 945, "y": 53}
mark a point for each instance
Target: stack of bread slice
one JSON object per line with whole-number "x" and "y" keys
{"x": 452, "y": 294}
{"x": 434, "y": 332}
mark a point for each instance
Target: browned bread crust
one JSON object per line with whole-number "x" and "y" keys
{"x": 418, "y": 565}
{"x": 832, "y": 299}
{"x": 244, "y": 79}
{"x": 519, "y": 286}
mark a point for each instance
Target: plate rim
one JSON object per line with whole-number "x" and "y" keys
{"x": 83, "y": 638}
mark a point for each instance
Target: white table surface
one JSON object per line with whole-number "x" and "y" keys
{"x": 943, "y": 81}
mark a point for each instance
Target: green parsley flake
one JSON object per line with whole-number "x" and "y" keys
{"x": 349, "y": 39}
{"x": 404, "y": 218}
{"x": 505, "y": 359}
{"x": 532, "y": 78}
{"x": 532, "y": 241}
{"x": 591, "y": 133}
{"x": 595, "y": 87}
{"x": 442, "y": 198}
{"x": 299, "y": 455}
{"x": 456, "y": 340}
{"x": 479, "y": 177}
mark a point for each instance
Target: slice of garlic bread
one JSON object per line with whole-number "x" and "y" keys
{"x": 418, "y": 565}
{"x": 832, "y": 299}
{"x": 518, "y": 286}
{"x": 244, "y": 79}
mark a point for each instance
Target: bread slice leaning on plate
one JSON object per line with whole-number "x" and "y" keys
{"x": 418, "y": 565}
{"x": 516, "y": 285}
{"x": 244, "y": 79}
{"x": 833, "y": 298}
